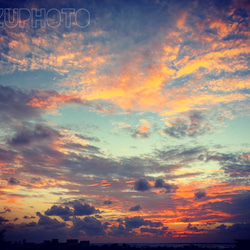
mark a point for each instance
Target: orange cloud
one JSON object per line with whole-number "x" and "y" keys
{"x": 141, "y": 83}
{"x": 50, "y": 101}
{"x": 143, "y": 129}
{"x": 13, "y": 199}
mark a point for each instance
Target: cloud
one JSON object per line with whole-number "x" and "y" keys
{"x": 237, "y": 205}
{"x": 85, "y": 209}
{"x": 155, "y": 231}
{"x": 193, "y": 228}
{"x": 63, "y": 212}
{"x": 107, "y": 202}
{"x": 193, "y": 125}
{"x": 39, "y": 133}
{"x": 13, "y": 105}
{"x": 77, "y": 210}
{"x": 87, "y": 138}
{"x": 50, "y": 100}
{"x": 135, "y": 208}
{"x": 31, "y": 224}
{"x": 120, "y": 230}
{"x": 159, "y": 183}
{"x": 6, "y": 210}
{"x": 90, "y": 225}
{"x": 27, "y": 217}
{"x": 199, "y": 195}
{"x": 221, "y": 227}
{"x": 142, "y": 185}
{"x": 3, "y": 220}
{"x": 13, "y": 181}
{"x": 234, "y": 164}
{"x": 84, "y": 148}
{"x": 49, "y": 223}
{"x": 236, "y": 231}
{"x": 137, "y": 222}
{"x": 182, "y": 70}
{"x": 141, "y": 130}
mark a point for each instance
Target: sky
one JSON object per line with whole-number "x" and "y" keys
{"x": 125, "y": 121}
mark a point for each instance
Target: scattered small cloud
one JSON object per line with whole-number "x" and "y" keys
{"x": 107, "y": 202}
{"x": 199, "y": 195}
{"x": 13, "y": 181}
{"x": 135, "y": 208}
{"x": 142, "y": 185}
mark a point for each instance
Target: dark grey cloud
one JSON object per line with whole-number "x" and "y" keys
{"x": 44, "y": 160}
{"x": 154, "y": 230}
{"x": 136, "y": 208}
{"x": 221, "y": 227}
{"x": 87, "y": 138}
{"x": 159, "y": 183}
{"x": 106, "y": 225}
{"x": 7, "y": 156}
{"x": 137, "y": 221}
{"x": 90, "y": 225}
{"x": 235, "y": 231}
{"x": 13, "y": 181}
{"x": 181, "y": 154}
{"x": 13, "y": 105}
{"x": 120, "y": 230}
{"x": 63, "y": 212}
{"x": 200, "y": 194}
{"x": 236, "y": 165}
{"x": 134, "y": 222}
{"x": 31, "y": 224}
{"x": 239, "y": 227}
{"x": 3, "y": 220}
{"x": 41, "y": 160}
{"x": 27, "y": 217}
{"x": 104, "y": 167}
{"x": 49, "y": 223}
{"x": 238, "y": 207}
{"x": 153, "y": 224}
{"x": 6, "y": 210}
{"x": 85, "y": 209}
{"x": 178, "y": 129}
{"x": 35, "y": 179}
{"x": 98, "y": 216}
{"x": 193, "y": 228}
{"x": 26, "y": 136}
{"x": 193, "y": 125}
{"x": 90, "y": 149}
{"x": 107, "y": 202}
{"x": 142, "y": 185}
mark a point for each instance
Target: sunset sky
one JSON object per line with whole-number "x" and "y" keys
{"x": 127, "y": 121}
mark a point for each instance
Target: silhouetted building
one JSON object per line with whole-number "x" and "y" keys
{"x": 243, "y": 244}
{"x": 46, "y": 242}
{"x": 84, "y": 243}
{"x": 72, "y": 242}
{"x": 55, "y": 241}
